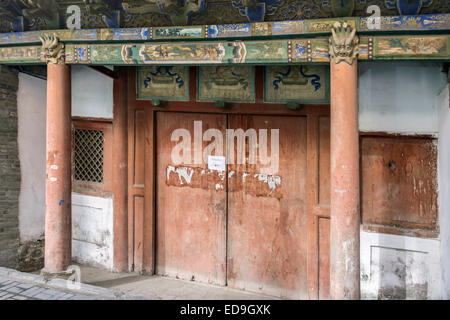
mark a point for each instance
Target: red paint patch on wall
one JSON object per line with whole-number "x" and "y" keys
{"x": 399, "y": 182}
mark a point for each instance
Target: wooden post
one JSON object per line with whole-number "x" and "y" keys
{"x": 344, "y": 153}
{"x": 58, "y": 219}
{"x": 120, "y": 172}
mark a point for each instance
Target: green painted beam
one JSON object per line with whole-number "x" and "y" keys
{"x": 312, "y": 50}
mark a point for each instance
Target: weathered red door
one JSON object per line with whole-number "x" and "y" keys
{"x": 261, "y": 224}
{"x": 190, "y": 200}
{"x": 267, "y": 233}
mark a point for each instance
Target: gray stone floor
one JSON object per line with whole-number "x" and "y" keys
{"x": 162, "y": 288}
{"x": 15, "y": 285}
{"x": 101, "y": 284}
{"x": 15, "y": 289}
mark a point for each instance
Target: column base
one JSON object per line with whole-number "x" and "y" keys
{"x": 49, "y": 275}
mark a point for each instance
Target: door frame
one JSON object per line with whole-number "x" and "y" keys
{"x": 142, "y": 221}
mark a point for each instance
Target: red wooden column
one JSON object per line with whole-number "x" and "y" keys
{"x": 344, "y": 153}
{"x": 120, "y": 172}
{"x": 58, "y": 227}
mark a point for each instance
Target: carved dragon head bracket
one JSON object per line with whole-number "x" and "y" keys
{"x": 343, "y": 43}
{"x": 52, "y": 49}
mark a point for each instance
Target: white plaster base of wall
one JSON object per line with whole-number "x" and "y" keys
{"x": 92, "y": 230}
{"x": 399, "y": 266}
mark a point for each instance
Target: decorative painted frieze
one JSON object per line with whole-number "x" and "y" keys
{"x": 309, "y": 50}
{"x": 196, "y": 32}
{"x": 297, "y": 83}
{"x": 268, "y": 52}
{"x": 163, "y": 83}
{"x": 243, "y": 31}
{"x": 392, "y": 47}
{"x": 408, "y": 23}
{"x": 20, "y": 55}
{"x": 226, "y": 83}
{"x": 326, "y": 25}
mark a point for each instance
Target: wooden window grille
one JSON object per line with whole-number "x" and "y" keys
{"x": 88, "y": 155}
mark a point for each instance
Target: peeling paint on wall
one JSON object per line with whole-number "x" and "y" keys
{"x": 272, "y": 181}
{"x": 399, "y": 267}
{"x": 183, "y": 172}
{"x": 259, "y": 184}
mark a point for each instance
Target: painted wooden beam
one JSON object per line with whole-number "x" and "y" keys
{"x": 246, "y": 31}
{"x": 311, "y": 50}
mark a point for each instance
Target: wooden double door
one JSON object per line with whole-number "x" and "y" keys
{"x": 256, "y": 215}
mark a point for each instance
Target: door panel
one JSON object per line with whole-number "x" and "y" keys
{"x": 267, "y": 229}
{"x": 191, "y": 204}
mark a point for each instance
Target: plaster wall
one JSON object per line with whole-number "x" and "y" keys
{"x": 92, "y": 226}
{"x": 92, "y": 93}
{"x": 399, "y": 267}
{"x": 444, "y": 187}
{"x": 32, "y": 103}
{"x": 399, "y": 97}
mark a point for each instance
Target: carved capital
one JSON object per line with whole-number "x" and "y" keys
{"x": 52, "y": 49}
{"x": 343, "y": 43}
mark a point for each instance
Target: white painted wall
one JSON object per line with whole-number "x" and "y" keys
{"x": 399, "y": 265}
{"x": 399, "y": 97}
{"x": 92, "y": 93}
{"x": 92, "y": 230}
{"x": 444, "y": 187}
{"x": 31, "y": 108}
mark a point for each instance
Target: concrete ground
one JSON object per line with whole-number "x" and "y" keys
{"x": 155, "y": 287}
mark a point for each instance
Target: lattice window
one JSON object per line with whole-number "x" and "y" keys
{"x": 88, "y": 155}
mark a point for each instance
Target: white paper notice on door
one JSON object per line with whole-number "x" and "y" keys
{"x": 216, "y": 163}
